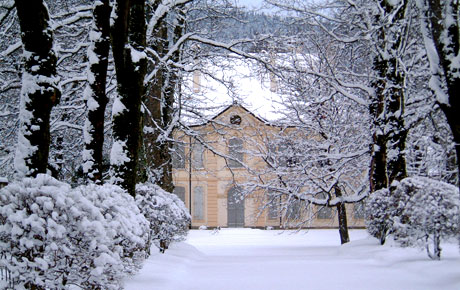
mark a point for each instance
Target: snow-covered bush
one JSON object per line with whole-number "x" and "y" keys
{"x": 378, "y": 211}
{"x": 167, "y": 214}
{"x": 51, "y": 237}
{"x": 429, "y": 212}
{"x": 126, "y": 227}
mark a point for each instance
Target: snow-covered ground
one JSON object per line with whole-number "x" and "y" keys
{"x": 252, "y": 259}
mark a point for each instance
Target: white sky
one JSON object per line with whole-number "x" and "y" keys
{"x": 251, "y": 3}
{"x": 251, "y": 88}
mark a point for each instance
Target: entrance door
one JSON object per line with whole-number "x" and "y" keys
{"x": 235, "y": 208}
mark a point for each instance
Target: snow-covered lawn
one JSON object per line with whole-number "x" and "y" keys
{"x": 250, "y": 259}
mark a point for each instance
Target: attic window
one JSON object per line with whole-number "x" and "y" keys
{"x": 235, "y": 120}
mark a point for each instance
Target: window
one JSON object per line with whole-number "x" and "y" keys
{"x": 235, "y": 150}
{"x": 274, "y": 207}
{"x": 180, "y": 192}
{"x": 198, "y": 203}
{"x": 197, "y": 155}
{"x": 288, "y": 155}
{"x": 178, "y": 155}
{"x": 324, "y": 212}
{"x": 293, "y": 210}
{"x": 273, "y": 211}
{"x": 358, "y": 210}
{"x": 235, "y": 120}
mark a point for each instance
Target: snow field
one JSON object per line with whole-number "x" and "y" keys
{"x": 239, "y": 259}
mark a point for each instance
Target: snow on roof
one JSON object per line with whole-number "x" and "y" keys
{"x": 3, "y": 180}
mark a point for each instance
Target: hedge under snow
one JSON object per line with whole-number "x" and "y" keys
{"x": 418, "y": 211}
{"x": 53, "y": 236}
{"x": 167, "y": 214}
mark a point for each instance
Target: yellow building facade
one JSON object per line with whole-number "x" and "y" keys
{"x": 209, "y": 167}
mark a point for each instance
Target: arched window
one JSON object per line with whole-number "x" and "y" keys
{"x": 324, "y": 212}
{"x": 274, "y": 207}
{"x": 358, "y": 210}
{"x": 178, "y": 155}
{"x": 235, "y": 150}
{"x": 293, "y": 210}
{"x": 180, "y": 192}
{"x": 197, "y": 155}
{"x": 198, "y": 203}
{"x": 235, "y": 207}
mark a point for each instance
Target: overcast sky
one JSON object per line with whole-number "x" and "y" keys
{"x": 251, "y": 3}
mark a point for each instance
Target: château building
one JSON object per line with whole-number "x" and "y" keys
{"x": 208, "y": 169}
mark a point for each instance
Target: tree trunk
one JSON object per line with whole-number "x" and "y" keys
{"x": 342, "y": 217}
{"x": 388, "y": 110}
{"x": 160, "y": 111}
{"x": 446, "y": 37}
{"x": 157, "y": 118}
{"x": 95, "y": 95}
{"x": 395, "y": 98}
{"x": 39, "y": 88}
{"x": 436, "y": 254}
{"x": 378, "y": 169}
{"x": 128, "y": 44}
{"x": 440, "y": 25}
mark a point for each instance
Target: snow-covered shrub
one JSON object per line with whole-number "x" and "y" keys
{"x": 167, "y": 214}
{"x": 51, "y": 237}
{"x": 378, "y": 212}
{"x": 125, "y": 225}
{"x": 429, "y": 213}
{"x": 94, "y": 263}
{"x": 32, "y": 213}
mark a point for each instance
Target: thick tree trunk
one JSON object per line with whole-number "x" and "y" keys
{"x": 440, "y": 25}
{"x": 95, "y": 95}
{"x": 445, "y": 33}
{"x": 396, "y": 140}
{"x": 39, "y": 88}
{"x": 342, "y": 217}
{"x": 395, "y": 98}
{"x": 378, "y": 167}
{"x": 157, "y": 118}
{"x": 160, "y": 111}
{"x": 388, "y": 160}
{"x": 128, "y": 44}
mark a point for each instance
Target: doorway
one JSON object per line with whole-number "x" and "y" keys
{"x": 235, "y": 208}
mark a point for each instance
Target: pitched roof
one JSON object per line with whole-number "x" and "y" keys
{"x": 236, "y": 104}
